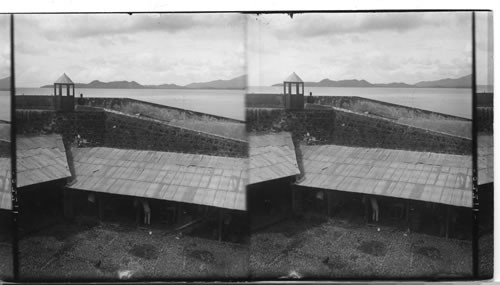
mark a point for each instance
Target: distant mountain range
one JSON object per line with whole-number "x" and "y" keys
{"x": 235, "y": 83}
{"x": 239, "y": 82}
{"x": 461, "y": 82}
{"x": 5, "y": 83}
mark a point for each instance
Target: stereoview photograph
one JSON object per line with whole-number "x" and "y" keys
{"x": 131, "y": 146}
{"x": 247, "y": 147}
{"x": 360, "y": 135}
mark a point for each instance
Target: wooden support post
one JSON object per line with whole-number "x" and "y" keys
{"x": 99, "y": 206}
{"x": 68, "y": 203}
{"x": 220, "y": 224}
{"x": 328, "y": 197}
{"x": 447, "y": 228}
{"x": 179, "y": 212}
{"x": 408, "y": 214}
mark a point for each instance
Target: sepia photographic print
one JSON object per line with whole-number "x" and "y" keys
{"x": 276, "y": 146}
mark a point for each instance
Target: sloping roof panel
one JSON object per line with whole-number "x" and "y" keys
{"x": 40, "y": 159}
{"x": 5, "y": 132}
{"x": 190, "y": 178}
{"x": 272, "y": 156}
{"x": 424, "y": 176}
{"x": 485, "y": 159}
{"x": 5, "y": 184}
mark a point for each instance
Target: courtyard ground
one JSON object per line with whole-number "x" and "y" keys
{"x": 88, "y": 250}
{"x": 314, "y": 247}
{"x": 6, "y": 267}
{"x": 310, "y": 247}
{"x": 486, "y": 256}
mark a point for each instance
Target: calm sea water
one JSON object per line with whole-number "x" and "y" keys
{"x": 226, "y": 103}
{"x": 230, "y": 103}
{"x": 5, "y": 105}
{"x": 452, "y": 101}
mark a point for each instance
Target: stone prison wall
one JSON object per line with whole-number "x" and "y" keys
{"x": 352, "y": 129}
{"x": 113, "y": 129}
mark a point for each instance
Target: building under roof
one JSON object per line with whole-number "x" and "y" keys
{"x": 40, "y": 158}
{"x": 424, "y": 176}
{"x": 272, "y": 156}
{"x": 485, "y": 159}
{"x": 5, "y": 184}
{"x": 4, "y": 132}
{"x": 190, "y": 178}
{"x": 5, "y": 169}
{"x": 293, "y": 78}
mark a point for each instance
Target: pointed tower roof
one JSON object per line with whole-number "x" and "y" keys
{"x": 293, "y": 78}
{"x": 64, "y": 79}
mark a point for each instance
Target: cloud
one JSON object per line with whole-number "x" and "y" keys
{"x": 59, "y": 27}
{"x": 147, "y": 48}
{"x": 378, "y": 47}
{"x": 314, "y": 25}
{"x": 4, "y": 46}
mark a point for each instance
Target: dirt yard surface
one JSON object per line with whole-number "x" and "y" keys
{"x": 107, "y": 251}
{"x": 6, "y": 269}
{"x": 313, "y": 248}
{"x": 486, "y": 256}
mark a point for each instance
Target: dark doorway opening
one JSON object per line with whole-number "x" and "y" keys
{"x": 269, "y": 202}
{"x": 40, "y": 205}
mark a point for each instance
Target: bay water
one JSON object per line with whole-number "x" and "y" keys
{"x": 230, "y": 103}
{"x": 225, "y": 103}
{"x": 451, "y": 101}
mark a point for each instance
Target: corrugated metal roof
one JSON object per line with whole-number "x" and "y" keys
{"x": 424, "y": 176}
{"x": 190, "y": 178}
{"x": 40, "y": 159}
{"x": 5, "y": 185}
{"x": 293, "y": 78}
{"x": 485, "y": 159}
{"x": 272, "y": 156}
{"x": 64, "y": 79}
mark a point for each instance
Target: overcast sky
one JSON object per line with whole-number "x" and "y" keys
{"x": 4, "y": 46}
{"x": 484, "y": 48}
{"x": 378, "y": 47}
{"x": 185, "y": 48}
{"x": 147, "y": 48}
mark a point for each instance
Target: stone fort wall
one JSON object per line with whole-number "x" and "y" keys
{"x": 99, "y": 127}
{"x": 353, "y": 129}
{"x": 353, "y": 103}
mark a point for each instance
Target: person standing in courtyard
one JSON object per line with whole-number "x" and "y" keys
{"x": 373, "y": 206}
{"x": 147, "y": 211}
{"x": 375, "y": 210}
